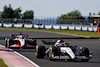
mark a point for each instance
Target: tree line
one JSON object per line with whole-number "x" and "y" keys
{"x": 9, "y": 12}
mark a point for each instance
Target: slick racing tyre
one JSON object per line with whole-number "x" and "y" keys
{"x": 6, "y": 43}
{"x": 85, "y": 52}
{"x": 55, "y": 51}
{"x": 40, "y": 51}
{"x": 51, "y": 55}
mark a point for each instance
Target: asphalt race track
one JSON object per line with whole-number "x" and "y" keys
{"x": 92, "y": 44}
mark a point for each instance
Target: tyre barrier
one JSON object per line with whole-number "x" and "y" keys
{"x": 56, "y": 27}
{"x": 28, "y": 25}
{"x": 0, "y": 24}
{"x": 18, "y": 25}
{"x": 71, "y": 27}
{"x": 7, "y": 25}
{"x": 38, "y": 26}
{"x": 95, "y": 28}
{"x": 90, "y": 28}
{"x": 84, "y": 28}
{"x": 64, "y": 27}
{"x": 78, "y": 27}
{"x": 48, "y": 26}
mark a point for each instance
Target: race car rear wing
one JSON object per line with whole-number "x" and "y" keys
{"x": 14, "y": 35}
{"x": 49, "y": 41}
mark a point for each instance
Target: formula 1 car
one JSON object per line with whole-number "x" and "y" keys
{"x": 62, "y": 50}
{"x": 20, "y": 40}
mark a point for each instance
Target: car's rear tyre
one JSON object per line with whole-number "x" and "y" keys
{"x": 86, "y": 52}
{"x": 40, "y": 51}
{"x": 51, "y": 58}
{"x": 55, "y": 51}
{"x": 6, "y": 43}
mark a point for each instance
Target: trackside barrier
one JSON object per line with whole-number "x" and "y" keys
{"x": 84, "y": 28}
{"x": 48, "y": 26}
{"x": 78, "y": 27}
{"x": 38, "y": 26}
{"x": 98, "y": 30}
{"x": 71, "y": 27}
{"x": 18, "y": 25}
{"x": 64, "y": 27}
{"x": 90, "y": 28}
{"x": 7, "y": 25}
{"x": 0, "y": 24}
{"x": 28, "y": 25}
{"x": 95, "y": 29}
{"x": 56, "y": 27}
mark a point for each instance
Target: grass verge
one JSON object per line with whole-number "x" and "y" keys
{"x": 2, "y": 64}
{"x": 84, "y": 33}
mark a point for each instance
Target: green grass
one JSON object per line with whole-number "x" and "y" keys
{"x": 84, "y": 33}
{"x": 2, "y": 64}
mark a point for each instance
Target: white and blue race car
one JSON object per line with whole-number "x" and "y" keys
{"x": 62, "y": 50}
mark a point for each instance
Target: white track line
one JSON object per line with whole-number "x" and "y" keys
{"x": 23, "y": 57}
{"x": 27, "y": 59}
{"x": 2, "y": 46}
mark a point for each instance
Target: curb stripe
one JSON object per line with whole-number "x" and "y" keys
{"x": 26, "y": 59}
{"x": 34, "y": 64}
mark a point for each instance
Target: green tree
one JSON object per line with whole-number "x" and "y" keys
{"x": 72, "y": 15}
{"x": 28, "y": 14}
{"x": 17, "y": 12}
{"x": 8, "y": 12}
{"x": 69, "y": 17}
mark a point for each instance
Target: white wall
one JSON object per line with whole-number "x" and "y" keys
{"x": 7, "y": 25}
{"x": 78, "y": 27}
{"x": 56, "y": 27}
{"x": 38, "y": 26}
{"x": 0, "y": 24}
{"x": 28, "y": 25}
{"x": 71, "y": 27}
{"x": 18, "y": 25}
{"x": 64, "y": 27}
{"x": 84, "y": 28}
{"x": 95, "y": 29}
{"x": 48, "y": 26}
{"x": 90, "y": 28}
